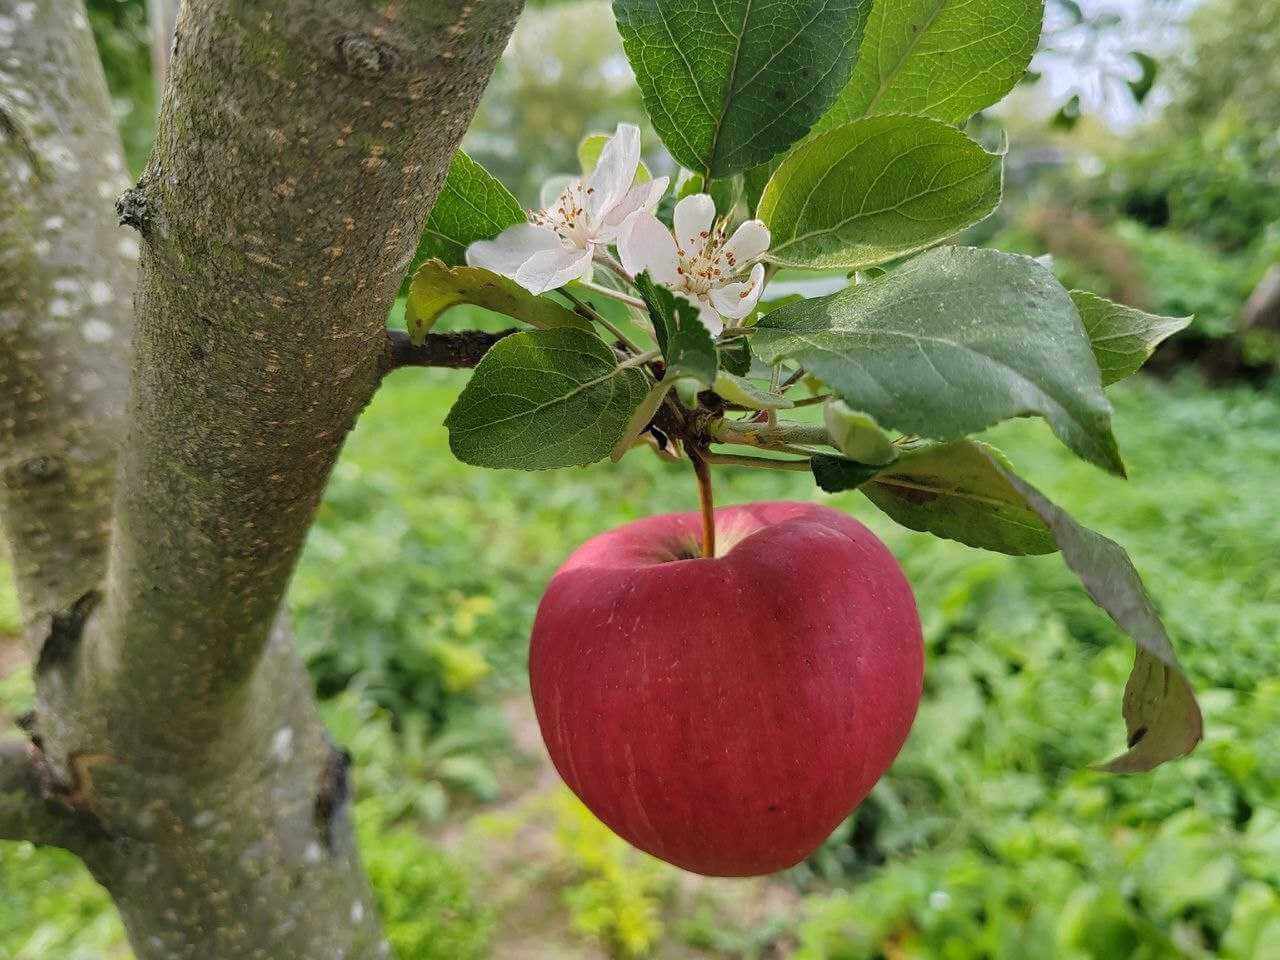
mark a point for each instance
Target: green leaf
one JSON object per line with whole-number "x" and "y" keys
{"x": 966, "y": 491}
{"x": 754, "y": 181}
{"x": 1160, "y": 709}
{"x": 687, "y": 389}
{"x": 543, "y": 399}
{"x": 945, "y": 59}
{"x": 953, "y": 490}
{"x": 857, "y": 435}
{"x": 726, "y": 193}
{"x": 589, "y": 150}
{"x": 1150, "y": 68}
{"x": 1123, "y": 337}
{"x": 661, "y": 305}
{"x": 690, "y": 351}
{"x": 950, "y": 343}
{"x": 686, "y": 345}
{"x": 730, "y": 83}
{"x": 436, "y": 288}
{"x": 472, "y": 206}
{"x": 744, "y": 393}
{"x": 640, "y": 417}
{"x": 1068, "y": 114}
{"x": 835, "y": 474}
{"x": 735, "y": 356}
{"x": 877, "y": 190}
{"x": 691, "y": 184}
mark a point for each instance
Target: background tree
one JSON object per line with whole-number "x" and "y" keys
{"x": 175, "y": 736}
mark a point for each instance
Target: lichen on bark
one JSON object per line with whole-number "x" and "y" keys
{"x": 66, "y": 284}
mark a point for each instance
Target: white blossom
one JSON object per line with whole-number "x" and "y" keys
{"x": 559, "y": 242}
{"x": 696, "y": 261}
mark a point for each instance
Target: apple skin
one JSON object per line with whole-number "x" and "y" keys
{"x": 726, "y": 714}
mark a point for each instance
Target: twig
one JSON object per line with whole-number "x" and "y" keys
{"x": 614, "y": 295}
{"x": 698, "y": 459}
{"x": 604, "y": 258}
{"x": 458, "y": 350}
{"x": 766, "y": 463}
{"x": 591, "y": 313}
{"x": 26, "y": 813}
{"x": 641, "y": 360}
{"x": 810, "y": 401}
{"x": 791, "y": 381}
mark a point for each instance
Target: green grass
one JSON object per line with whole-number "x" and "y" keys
{"x": 1024, "y": 678}
{"x": 991, "y": 837}
{"x": 10, "y": 616}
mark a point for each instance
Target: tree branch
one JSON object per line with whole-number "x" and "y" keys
{"x": 66, "y": 285}
{"x": 278, "y": 214}
{"x": 1262, "y": 309}
{"x": 457, "y": 350}
{"x": 299, "y": 149}
{"x": 766, "y": 463}
{"x": 26, "y": 814}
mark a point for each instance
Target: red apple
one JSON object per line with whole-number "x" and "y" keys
{"x": 726, "y": 714}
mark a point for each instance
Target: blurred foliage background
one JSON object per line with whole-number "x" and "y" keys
{"x": 991, "y": 837}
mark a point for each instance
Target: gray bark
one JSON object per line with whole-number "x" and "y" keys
{"x": 26, "y": 813}
{"x": 66, "y": 282}
{"x": 1262, "y": 309}
{"x": 299, "y": 149}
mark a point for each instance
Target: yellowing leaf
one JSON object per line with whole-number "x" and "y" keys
{"x": 744, "y": 393}
{"x": 436, "y": 288}
{"x": 857, "y": 434}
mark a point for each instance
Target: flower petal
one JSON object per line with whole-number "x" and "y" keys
{"x": 735, "y": 300}
{"x": 550, "y": 269}
{"x": 693, "y": 217}
{"x": 614, "y": 172}
{"x": 645, "y": 243}
{"x": 748, "y": 242}
{"x": 656, "y": 189}
{"x": 710, "y": 318}
{"x": 513, "y": 246}
{"x": 643, "y": 196}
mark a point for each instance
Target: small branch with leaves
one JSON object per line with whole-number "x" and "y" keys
{"x": 899, "y": 384}
{"x": 640, "y": 325}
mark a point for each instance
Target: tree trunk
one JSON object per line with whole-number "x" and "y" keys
{"x": 299, "y": 149}
{"x": 1262, "y": 309}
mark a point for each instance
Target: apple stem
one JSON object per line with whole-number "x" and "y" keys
{"x": 703, "y": 473}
